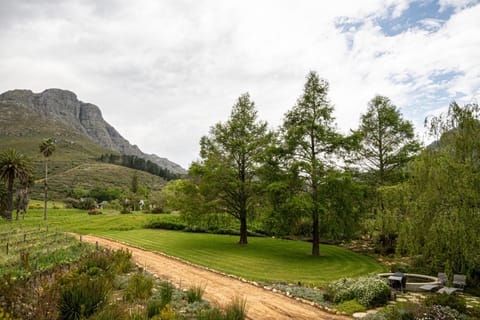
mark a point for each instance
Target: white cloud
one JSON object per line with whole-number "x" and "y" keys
{"x": 164, "y": 72}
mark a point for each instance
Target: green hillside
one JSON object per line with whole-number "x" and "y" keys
{"x": 74, "y": 162}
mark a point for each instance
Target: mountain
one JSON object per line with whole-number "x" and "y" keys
{"x": 62, "y": 107}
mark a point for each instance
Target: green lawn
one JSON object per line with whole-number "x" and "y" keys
{"x": 263, "y": 259}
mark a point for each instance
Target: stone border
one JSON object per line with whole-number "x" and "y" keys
{"x": 253, "y": 283}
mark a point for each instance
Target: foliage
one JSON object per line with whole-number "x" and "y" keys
{"x": 134, "y": 162}
{"x": 101, "y": 194}
{"x": 443, "y": 221}
{"x": 13, "y": 165}
{"x": 94, "y": 212}
{"x": 368, "y": 291}
{"x": 236, "y": 309}
{"x": 167, "y": 225}
{"x": 448, "y": 300}
{"x": 311, "y": 140}
{"x": 139, "y": 287}
{"x": 350, "y": 307}
{"x": 230, "y": 159}
{"x": 5, "y": 315}
{"x": 387, "y": 142}
{"x": 307, "y": 293}
{"x": 81, "y": 296}
{"x": 195, "y": 293}
{"x": 47, "y": 147}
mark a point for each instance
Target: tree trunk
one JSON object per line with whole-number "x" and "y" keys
{"x": 316, "y": 236}
{"x": 8, "y": 214}
{"x": 46, "y": 189}
{"x": 243, "y": 230}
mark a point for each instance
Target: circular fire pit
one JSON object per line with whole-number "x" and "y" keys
{"x": 415, "y": 281}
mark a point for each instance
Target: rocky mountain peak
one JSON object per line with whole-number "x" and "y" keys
{"x": 64, "y": 106}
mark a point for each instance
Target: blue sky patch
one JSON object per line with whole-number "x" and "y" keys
{"x": 424, "y": 15}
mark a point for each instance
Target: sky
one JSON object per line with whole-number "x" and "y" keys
{"x": 164, "y": 72}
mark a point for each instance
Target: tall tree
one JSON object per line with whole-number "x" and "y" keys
{"x": 387, "y": 141}
{"x": 47, "y": 147}
{"x": 311, "y": 137}
{"x": 443, "y": 219}
{"x": 230, "y": 159}
{"x": 13, "y": 165}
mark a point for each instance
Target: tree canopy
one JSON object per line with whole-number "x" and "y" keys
{"x": 230, "y": 159}
{"x": 387, "y": 142}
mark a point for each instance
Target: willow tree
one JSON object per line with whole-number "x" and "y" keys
{"x": 230, "y": 159}
{"x": 13, "y": 165}
{"x": 47, "y": 147}
{"x": 444, "y": 218}
{"x": 312, "y": 140}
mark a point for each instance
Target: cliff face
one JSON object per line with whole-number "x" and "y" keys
{"x": 64, "y": 106}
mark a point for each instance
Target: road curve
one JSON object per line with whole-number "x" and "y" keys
{"x": 219, "y": 289}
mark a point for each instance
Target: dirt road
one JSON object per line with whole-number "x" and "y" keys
{"x": 220, "y": 289}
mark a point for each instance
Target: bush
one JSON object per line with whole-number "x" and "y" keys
{"x": 166, "y": 292}
{"x": 195, "y": 294}
{"x": 211, "y": 314}
{"x": 81, "y": 296}
{"x": 112, "y": 311}
{"x": 447, "y": 300}
{"x": 87, "y": 204}
{"x": 401, "y": 267}
{"x": 154, "y": 307}
{"x": 236, "y": 310}
{"x": 350, "y": 307}
{"x": 140, "y": 287}
{"x": 441, "y": 312}
{"x": 121, "y": 260}
{"x": 167, "y": 225}
{"x": 370, "y": 292}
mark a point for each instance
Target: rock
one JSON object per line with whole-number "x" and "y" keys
{"x": 359, "y": 315}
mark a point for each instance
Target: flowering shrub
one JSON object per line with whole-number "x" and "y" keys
{"x": 440, "y": 312}
{"x": 368, "y": 291}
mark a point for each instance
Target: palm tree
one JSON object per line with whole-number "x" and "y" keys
{"x": 47, "y": 147}
{"x": 13, "y": 165}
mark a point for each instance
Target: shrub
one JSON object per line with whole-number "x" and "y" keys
{"x": 5, "y": 315}
{"x": 350, "y": 307}
{"x": 167, "y": 225}
{"x": 368, "y": 291}
{"x": 168, "y": 313}
{"x": 236, "y": 310}
{"x": 154, "y": 307}
{"x": 139, "y": 287}
{"x": 210, "y": 314}
{"x": 400, "y": 267}
{"x": 81, "y": 296}
{"x": 195, "y": 294}
{"x": 112, "y": 311}
{"x": 448, "y": 300}
{"x": 121, "y": 260}
{"x": 441, "y": 312}
{"x": 87, "y": 204}
{"x": 166, "y": 292}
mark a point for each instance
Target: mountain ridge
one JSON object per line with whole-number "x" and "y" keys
{"x": 86, "y": 118}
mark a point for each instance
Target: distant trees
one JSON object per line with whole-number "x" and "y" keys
{"x": 47, "y": 147}
{"x": 138, "y": 163}
{"x": 230, "y": 154}
{"x": 13, "y": 165}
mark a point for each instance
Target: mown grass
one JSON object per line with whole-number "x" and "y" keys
{"x": 263, "y": 259}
